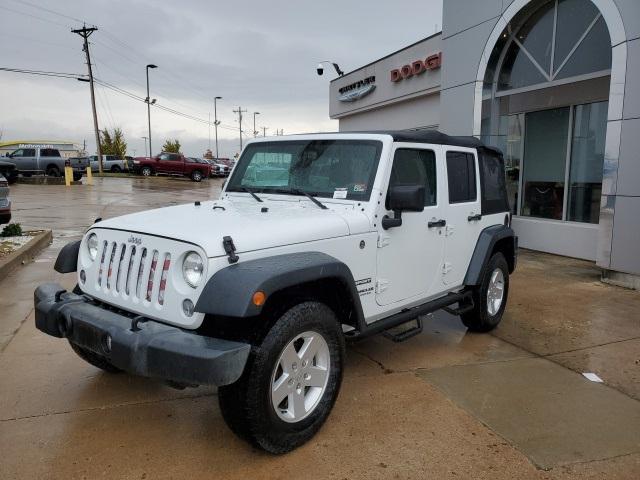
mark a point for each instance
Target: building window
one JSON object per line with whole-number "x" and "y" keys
{"x": 561, "y": 39}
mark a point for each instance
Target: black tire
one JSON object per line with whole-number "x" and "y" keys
{"x": 53, "y": 171}
{"x": 480, "y": 319}
{"x": 77, "y": 176}
{"x": 247, "y": 406}
{"x": 196, "y": 176}
{"x": 146, "y": 171}
{"x": 116, "y": 169}
{"x": 94, "y": 359}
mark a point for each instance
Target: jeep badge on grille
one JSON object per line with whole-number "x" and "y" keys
{"x": 134, "y": 240}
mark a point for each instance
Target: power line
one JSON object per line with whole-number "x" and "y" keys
{"x": 34, "y": 16}
{"x": 43, "y": 73}
{"x": 39, "y": 7}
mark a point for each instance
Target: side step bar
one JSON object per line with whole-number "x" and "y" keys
{"x": 463, "y": 299}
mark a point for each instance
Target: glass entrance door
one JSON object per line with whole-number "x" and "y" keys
{"x": 560, "y": 156}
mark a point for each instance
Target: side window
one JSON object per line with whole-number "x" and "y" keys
{"x": 416, "y": 167}
{"x": 18, "y": 153}
{"x": 164, "y": 156}
{"x": 493, "y": 194}
{"x": 461, "y": 175}
{"x": 29, "y": 152}
{"x": 49, "y": 152}
{"x": 174, "y": 157}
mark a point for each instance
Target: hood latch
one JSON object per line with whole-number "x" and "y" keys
{"x": 230, "y": 249}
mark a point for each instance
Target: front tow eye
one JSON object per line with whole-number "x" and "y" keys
{"x": 230, "y": 249}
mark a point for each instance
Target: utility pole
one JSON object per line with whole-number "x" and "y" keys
{"x": 240, "y": 112}
{"x": 85, "y": 33}
{"x": 145, "y": 145}
{"x": 255, "y": 132}
{"x": 264, "y": 131}
{"x": 215, "y": 120}
{"x": 149, "y": 103}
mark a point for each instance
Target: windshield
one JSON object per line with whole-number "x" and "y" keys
{"x": 343, "y": 169}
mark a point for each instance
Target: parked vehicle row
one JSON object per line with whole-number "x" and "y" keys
{"x": 110, "y": 163}
{"x": 174, "y": 164}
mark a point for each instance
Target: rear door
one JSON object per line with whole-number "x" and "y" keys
{"x": 410, "y": 256}
{"x": 463, "y": 212}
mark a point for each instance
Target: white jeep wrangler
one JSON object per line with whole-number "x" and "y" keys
{"x": 315, "y": 239}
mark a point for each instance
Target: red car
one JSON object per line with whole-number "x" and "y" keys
{"x": 171, "y": 164}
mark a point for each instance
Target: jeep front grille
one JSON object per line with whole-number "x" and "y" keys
{"x": 119, "y": 261}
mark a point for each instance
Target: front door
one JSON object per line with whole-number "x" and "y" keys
{"x": 410, "y": 255}
{"x": 25, "y": 159}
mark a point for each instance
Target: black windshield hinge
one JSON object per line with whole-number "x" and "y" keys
{"x": 230, "y": 249}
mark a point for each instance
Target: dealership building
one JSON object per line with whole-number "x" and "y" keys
{"x": 555, "y": 84}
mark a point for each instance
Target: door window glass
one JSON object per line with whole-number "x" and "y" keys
{"x": 18, "y": 153}
{"x": 461, "y": 176}
{"x": 545, "y": 152}
{"x": 587, "y": 157}
{"x": 164, "y": 157}
{"x": 49, "y": 152}
{"x": 416, "y": 167}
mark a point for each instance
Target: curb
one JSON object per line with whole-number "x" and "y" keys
{"x": 25, "y": 253}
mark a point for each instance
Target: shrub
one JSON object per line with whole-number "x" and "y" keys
{"x": 11, "y": 230}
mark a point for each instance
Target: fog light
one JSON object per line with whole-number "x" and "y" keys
{"x": 83, "y": 276}
{"x": 188, "y": 307}
{"x": 106, "y": 343}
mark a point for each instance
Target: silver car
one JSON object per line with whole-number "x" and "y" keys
{"x": 5, "y": 203}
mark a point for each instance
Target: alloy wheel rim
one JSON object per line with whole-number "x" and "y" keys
{"x": 495, "y": 292}
{"x": 300, "y": 377}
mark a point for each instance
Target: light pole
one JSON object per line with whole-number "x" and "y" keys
{"x": 215, "y": 120}
{"x": 255, "y": 132}
{"x": 145, "y": 145}
{"x": 149, "y": 102}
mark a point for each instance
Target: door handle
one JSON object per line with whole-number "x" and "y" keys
{"x": 477, "y": 216}
{"x": 437, "y": 223}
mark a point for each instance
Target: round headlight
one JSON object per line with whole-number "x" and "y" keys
{"x": 192, "y": 269}
{"x": 92, "y": 246}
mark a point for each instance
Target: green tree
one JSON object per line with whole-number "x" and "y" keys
{"x": 171, "y": 146}
{"x": 113, "y": 143}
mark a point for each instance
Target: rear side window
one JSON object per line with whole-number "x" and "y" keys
{"x": 416, "y": 167}
{"x": 49, "y": 152}
{"x": 492, "y": 178}
{"x": 461, "y": 175}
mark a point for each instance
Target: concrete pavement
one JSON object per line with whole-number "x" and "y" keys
{"x": 445, "y": 404}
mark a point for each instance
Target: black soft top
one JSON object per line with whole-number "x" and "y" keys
{"x": 431, "y": 136}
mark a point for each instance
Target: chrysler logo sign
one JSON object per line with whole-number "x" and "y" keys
{"x": 356, "y": 90}
{"x": 432, "y": 62}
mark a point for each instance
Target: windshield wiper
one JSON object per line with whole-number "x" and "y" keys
{"x": 296, "y": 191}
{"x": 248, "y": 190}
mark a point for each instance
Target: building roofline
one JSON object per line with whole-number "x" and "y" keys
{"x": 388, "y": 55}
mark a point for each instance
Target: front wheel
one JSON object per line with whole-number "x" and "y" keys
{"x": 77, "y": 176}
{"x": 196, "y": 176}
{"x": 290, "y": 382}
{"x": 53, "y": 171}
{"x": 146, "y": 171}
{"x": 490, "y": 297}
{"x": 116, "y": 169}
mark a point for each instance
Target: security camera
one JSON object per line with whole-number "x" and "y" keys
{"x": 320, "y": 69}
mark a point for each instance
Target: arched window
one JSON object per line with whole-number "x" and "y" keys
{"x": 560, "y": 39}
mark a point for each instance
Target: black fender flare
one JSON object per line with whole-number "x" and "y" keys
{"x": 229, "y": 292}
{"x": 484, "y": 246}
{"x": 67, "y": 260}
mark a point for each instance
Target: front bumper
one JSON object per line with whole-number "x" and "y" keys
{"x": 146, "y": 348}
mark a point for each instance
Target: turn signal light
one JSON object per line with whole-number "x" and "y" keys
{"x": 259, "y": 298}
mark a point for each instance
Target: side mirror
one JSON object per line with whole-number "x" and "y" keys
{"x": 401, "y": 198}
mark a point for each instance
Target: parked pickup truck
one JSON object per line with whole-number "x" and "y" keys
{"x": 172, "y": 164}
{"x": 45, "y": 160}
{"x": 9, "y": 171}
{"x": 110, "y": 163}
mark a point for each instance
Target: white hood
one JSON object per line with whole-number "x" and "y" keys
{"x": 286, "y": 222}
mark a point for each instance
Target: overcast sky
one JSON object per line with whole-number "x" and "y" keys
{"x": 260, "y": 55}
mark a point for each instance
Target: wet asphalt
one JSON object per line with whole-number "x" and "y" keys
{"x": 444, "y": 404}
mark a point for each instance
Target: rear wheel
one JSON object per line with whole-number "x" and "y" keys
{"x": 94, "y": 359}
{"x": 196, "y": 176}
{"x": 290, "y": 382}
{"x": 77, "y": 176}
{"x": 115, "y": 169}
{"x": 146, "y": 171}
{"x": 490, "y": 297}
